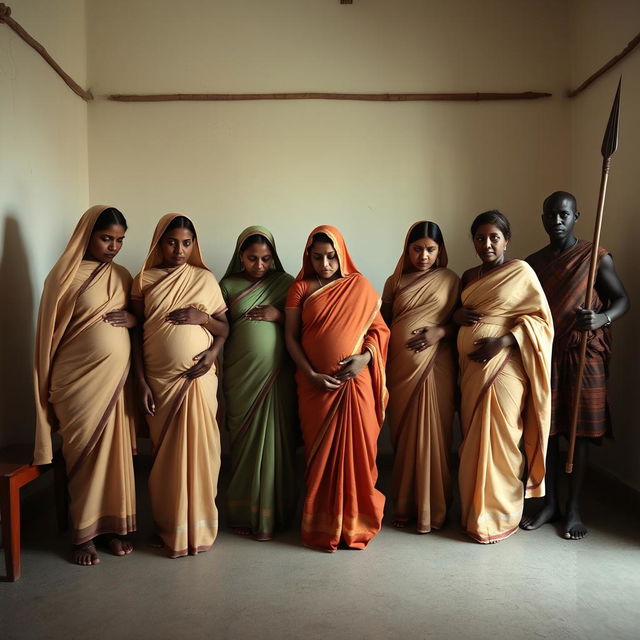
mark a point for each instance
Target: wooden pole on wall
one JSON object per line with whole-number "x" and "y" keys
{"x": 5, "y": 16}
{"x": 374, "y": 97}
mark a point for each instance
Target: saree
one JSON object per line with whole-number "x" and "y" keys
{"x": 184, "y": 432}
{"x": 506, "y": 401}
{"x": 260, "y": 404}
{"x": 340, "y": 428}
{"x": 81, "y": 367}
{"x": 564, "y": 280}
{"x": 422, "y": 389}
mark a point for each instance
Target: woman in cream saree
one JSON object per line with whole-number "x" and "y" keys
{"x": 82, "y": 357}
{"x": 338, "y": 339}
{"x": 504, "y": 346}
{"x": 259, "y": 389}
{"x": 176, "y": 297}
{"x": 418, "y": 301}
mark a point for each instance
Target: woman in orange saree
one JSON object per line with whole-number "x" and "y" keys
{"x": 82, "y": 357}
{"x": 338, "y": 340}
{"x": 504, "y": 346}
{"x": 181, "y": 305}
{"x": 417, "y": 303}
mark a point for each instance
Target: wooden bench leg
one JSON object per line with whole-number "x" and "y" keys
{"x": 10, "y": 514}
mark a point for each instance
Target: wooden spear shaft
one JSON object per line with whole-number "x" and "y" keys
{"x": 609, "y": 146}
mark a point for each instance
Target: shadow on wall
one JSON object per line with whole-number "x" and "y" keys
{"x": 16, "y": 344}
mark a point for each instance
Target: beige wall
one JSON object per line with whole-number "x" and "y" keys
{"x": 600, "y": 31}
{"x": 369, "y": 168}
{"x": 43, "y": 183}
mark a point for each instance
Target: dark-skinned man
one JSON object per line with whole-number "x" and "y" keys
{"x": 563, "y": 268}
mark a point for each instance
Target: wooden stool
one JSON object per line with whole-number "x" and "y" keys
{"x": 16, "y": 471}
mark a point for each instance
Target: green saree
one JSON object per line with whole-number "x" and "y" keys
{"x": 260, "y": 400}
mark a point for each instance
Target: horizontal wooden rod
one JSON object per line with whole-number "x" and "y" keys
{"x": 5, "y": 16}
{"x": 605, "y": 67}
{"x": 375, "y": 97}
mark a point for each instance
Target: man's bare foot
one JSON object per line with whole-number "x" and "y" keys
{"x": 574, "y": 528}
{"x": 85, "y": 554}
{"x": 400, "y": 523}
{"x": 156, "y": 541}
{"x": 242, "y": 531}
{"x": 119, "y": 546}
{"x": 548, "y": 513}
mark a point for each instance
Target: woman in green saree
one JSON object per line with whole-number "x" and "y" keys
{"x": 259, "y": 389}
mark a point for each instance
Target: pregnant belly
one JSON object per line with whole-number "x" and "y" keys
{"x": 324, "y": 352}
{"x": 170, "y": 351}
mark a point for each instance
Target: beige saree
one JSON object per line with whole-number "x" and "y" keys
{"x": 421, "y": 396}
{"x": 506, "y": 401}
{"x": 184, "y": 432}
{"x": 81, "y": 366}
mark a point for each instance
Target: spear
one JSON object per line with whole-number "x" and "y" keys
{"x": 609, "y": 146}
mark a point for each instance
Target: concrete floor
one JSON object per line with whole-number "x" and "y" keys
{"x": 441, "y": 585}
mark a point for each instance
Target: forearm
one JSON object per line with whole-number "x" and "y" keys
{"x": 298, "y": 356}
{"x": 616, "y": 309}
{"x": 217, "y": 327}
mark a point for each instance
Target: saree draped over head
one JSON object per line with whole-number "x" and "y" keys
{"x": 505, "y": 401}
{"x": 260, "y": 400}
{"x": 184, "y": 432}
{"x": 81, "y": 367}
{"x": 341, "y": 427}
{"x": 422, "y": 389}
{"x": 564, "y": 280}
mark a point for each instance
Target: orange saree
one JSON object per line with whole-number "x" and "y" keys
{"x": 184, "y": 432}
{"x": 341, "y": 427}
{"x": 421, "y": 393}
{"x": 81, "y": 367}
{"x": 506, "y": 402}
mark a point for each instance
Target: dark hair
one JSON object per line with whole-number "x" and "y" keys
{"x": 558, "y": 195}
{"x": 181, "y": 222}
{"x": 320, "y": 237}
{"x": 108, "y": 217}
{"x": 426, "y": 230}
{"x": 256, "y": 238}
{"x": 493, "y": 217}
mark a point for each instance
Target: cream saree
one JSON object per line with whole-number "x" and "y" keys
{"x": 421, "y": 397}
{"x": 506, "y": 401}
{"x": 81, "y": 367}
{"x": 184, "y": 432}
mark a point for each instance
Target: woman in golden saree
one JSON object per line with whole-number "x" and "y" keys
{"x": 259, "y": 389}
{"x": 82, "y": 357}
{"x": 338, "y": 340}
{"x": 179, "y": 303}
{"x": 504, "y": 346}
{"x": 417, "y": 303}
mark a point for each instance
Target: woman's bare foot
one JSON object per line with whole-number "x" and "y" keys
{"x": 548, "y": 513}
{"x": 119, "y": 546}
{"x": 574, "y": 528}
{"x": 242, "y": 531}
{"x": 400, "y": 523}
{"x": 85, "y": 554}
{"x": 156, "y": 541}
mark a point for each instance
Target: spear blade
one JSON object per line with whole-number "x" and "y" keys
{"x": 610, "y": 140}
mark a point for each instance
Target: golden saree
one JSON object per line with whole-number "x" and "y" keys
{"x": 506, "y": 401}
{"x": 340, "y": 428}
{"x": 422, "y": 390}
{"x": 260, "y": 405}
{"x": 184, "y": 432}
{"x": 81, "y": 366}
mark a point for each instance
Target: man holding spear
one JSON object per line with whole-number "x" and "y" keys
{"x": 563, "y": 267}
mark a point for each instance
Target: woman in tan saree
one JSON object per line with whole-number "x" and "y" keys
{"x": 82, "y": 357}
{"x": 180, "y": 303}
{"x": 338, "y": 340}
{"x": 417, "y": 303}
{"x": 504, "y": 346}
